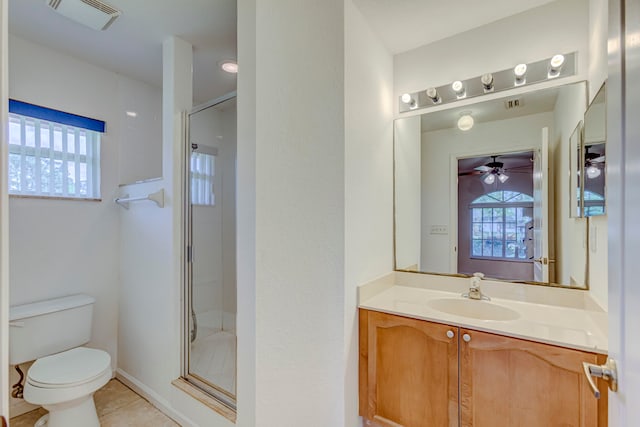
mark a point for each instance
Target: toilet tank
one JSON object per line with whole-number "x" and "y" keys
{"x": 46, "y": 327}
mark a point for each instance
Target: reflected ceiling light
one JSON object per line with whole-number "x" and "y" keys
{"x": 520, "y": 71}
{"x": 593, "y": 172}
{"x": 487, "y": 82}
{"x": 489, "y": 179}
{"x": 465, "y": 122}
{"x": 555, "y": 65}
{"x": 503, "y": 178}
{"x": 408, "y": 99}
{"x": 132, "y": 114}
{"x": 458, "y": 88}
{"x": 229, "y": 66}
{"x": 432, "y": 94}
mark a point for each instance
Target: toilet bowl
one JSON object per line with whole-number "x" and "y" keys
{"x": 64, "y": 384}
{"x": 65, "y": 375}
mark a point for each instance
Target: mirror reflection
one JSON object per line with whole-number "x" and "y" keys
{"x": 594, "y": 157}
{"x": 494, "y": 198}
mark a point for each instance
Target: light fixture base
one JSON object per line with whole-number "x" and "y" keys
{"x": 536, "y": 72}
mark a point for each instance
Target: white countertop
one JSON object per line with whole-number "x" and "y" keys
{"x": 563, "y": 317}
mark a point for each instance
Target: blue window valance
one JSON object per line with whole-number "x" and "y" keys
{"x": 49, "y": 114}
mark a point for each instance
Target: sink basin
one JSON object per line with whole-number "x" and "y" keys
{"x": 473, "y": 308}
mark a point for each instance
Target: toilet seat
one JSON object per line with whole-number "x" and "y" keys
{"x": 70, "y": 368}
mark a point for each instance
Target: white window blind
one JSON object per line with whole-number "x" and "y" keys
{"x": 53, "y": 159}
{"x": 202, "y": 175}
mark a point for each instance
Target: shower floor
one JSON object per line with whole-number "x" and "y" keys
{"x": 213, "y": 358}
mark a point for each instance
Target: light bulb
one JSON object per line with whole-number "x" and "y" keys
{"x": 593, "y": 172}
{"x": 432, "y": 93}
{"x": 503, "y": 178}
{"x": 465, "y": 122}
{"x": 555, "y": 65}
{"x": 487, "y": 81}
{"x": 556, "y": 62}
{"x": 489, "y": 179}
{"x": 458, "y": 88}
{"x": 406, "y": 98}
{"x": 520, "y": 70}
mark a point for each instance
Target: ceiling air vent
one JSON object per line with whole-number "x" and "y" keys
{"x": 92, "y": 13}
{"x": 513, "y": 103}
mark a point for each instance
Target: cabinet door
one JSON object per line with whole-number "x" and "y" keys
{"x": 517, "y": 383}
{"x": 412, "y": 372}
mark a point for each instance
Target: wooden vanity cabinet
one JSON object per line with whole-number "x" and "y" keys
{"x": 413, "y": 372}
{"x": 512, "y": 382}
{"x": 408, "y": 372}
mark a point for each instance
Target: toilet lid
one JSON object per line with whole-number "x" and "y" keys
{"x": 77, "y": 365}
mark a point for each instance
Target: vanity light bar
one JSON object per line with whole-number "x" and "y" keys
{"x": 525, "y": 75}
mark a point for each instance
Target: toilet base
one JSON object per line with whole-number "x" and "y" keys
{"x": 76, "y": 413}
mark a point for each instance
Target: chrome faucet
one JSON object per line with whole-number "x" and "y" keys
{"x": 474, "y": 288}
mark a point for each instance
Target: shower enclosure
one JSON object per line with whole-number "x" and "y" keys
{"x": 210, "y": 249}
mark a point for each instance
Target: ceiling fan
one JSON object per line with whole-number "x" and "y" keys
{"x": 593, "y": 163}
{"x": 494, "y": 170}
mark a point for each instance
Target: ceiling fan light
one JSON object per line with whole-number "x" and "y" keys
{"x": 489, "y": 179}
{"x": 593, "y": 172}
{"x": 503, "y": 178}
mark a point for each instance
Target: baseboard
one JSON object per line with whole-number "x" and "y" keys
{"x": 154, "y": 398}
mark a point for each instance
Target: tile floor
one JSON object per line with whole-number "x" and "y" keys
{"x": 117, "y": 406}
{"x": 213, "y": 358}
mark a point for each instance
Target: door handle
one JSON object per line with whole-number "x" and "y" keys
{"x": 607, "y": 372}
{"x": 542, "y": 260}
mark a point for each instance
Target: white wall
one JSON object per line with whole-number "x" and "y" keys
{"x": 570, "y": 233}
{"x": 368, "y": 179}
{"x": 598, "y": 34}
{"x": 296, "y": 263}
{"x": 140, "y": 153}
{"x": 300, "y": 199}
{"x": 598, "y": 73}
{"x": 557, "y": 27}
{"x": 438, "y": 148}
{"x": 246, "y": 214}
{"x": 407, "y": 158}
{"x": 62, "y": 247}
{"x": 149, "y": 323}
{"x": 4, "y": 218}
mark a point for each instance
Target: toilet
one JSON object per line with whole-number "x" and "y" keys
{"x": 65, "y": 375}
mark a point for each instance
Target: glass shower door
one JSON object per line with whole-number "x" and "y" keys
{"x": 210, "y": 279}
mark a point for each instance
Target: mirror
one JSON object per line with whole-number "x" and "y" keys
{"x": 575, "y": 186}
{"x": 593, "y": 189}
{"x": 493, "y": 198}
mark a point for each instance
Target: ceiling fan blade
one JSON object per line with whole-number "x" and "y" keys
{"x": 475, "y": 172}
{"x": 483, "y": 168}
{"x": 598, "y": 159}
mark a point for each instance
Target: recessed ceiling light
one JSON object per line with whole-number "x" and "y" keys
{"x": 132, "y": 114}
{"x": 229, "y": 66}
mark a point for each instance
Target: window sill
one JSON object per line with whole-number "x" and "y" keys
{"x": 528, "y": 261}
{"x": 73, "y": 199}
{"x": 205, "y": 399}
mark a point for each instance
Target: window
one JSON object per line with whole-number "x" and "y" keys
{"x": 52, "y": 153}
{"x": 501, "y": 225}
{"x": 203, "y": 170}
{"x": 593, "y": 203}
